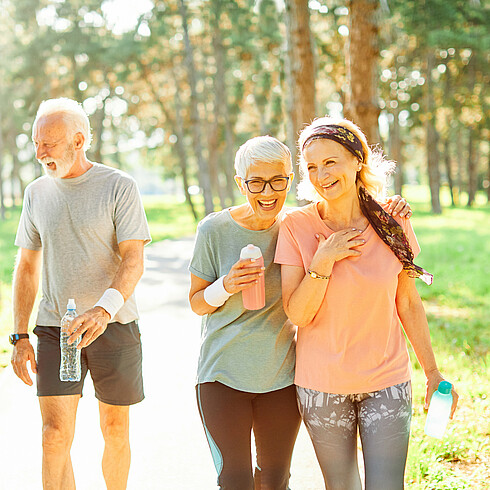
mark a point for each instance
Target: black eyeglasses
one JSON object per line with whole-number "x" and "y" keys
{"x": 256, "y": 186}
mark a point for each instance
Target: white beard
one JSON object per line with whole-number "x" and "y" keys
{"x": 63, "y": 164}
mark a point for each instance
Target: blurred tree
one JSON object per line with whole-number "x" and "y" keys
{"x": 362, "y": 67}
{"x": 444, "y": 38}
{"x": 204, "y": 173}
{"x": 300, "y": 72}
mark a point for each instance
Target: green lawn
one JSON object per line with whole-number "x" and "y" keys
{"x": 455, "y": 248}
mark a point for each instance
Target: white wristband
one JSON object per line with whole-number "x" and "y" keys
{"x": 112, "y": 301}
{"x": 216, "y": 294}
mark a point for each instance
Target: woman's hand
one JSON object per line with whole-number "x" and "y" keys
{"x": 397, "y": 205}
{"x": 337, "y": 246}
{"x": 242, "y": 276}
{"x": 432, "y": 383}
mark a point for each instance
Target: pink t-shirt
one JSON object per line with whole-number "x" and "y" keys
{"x": 355, "y": 343}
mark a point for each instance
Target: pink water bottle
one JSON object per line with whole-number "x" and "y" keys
{"x": 254, "y": 297}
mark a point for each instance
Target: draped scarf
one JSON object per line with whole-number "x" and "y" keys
{"x": 383, "y": 223}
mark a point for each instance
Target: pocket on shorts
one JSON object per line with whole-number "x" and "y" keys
{"x": 117, "y": 336}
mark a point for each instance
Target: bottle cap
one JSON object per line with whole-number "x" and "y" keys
{"x": 71, "y": 304}
{"x": 250, "y": 252}
{"x": 444, "y": 387}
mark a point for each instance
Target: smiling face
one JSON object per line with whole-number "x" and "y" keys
{"x": 332, "y": 169}
{"x": 55, "y": 150}
{"x": 267, "y": 204}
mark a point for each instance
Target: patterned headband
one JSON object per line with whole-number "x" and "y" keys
{"x": 340, "y": 135}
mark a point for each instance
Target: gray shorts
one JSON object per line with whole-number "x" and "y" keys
{"x": 114, "y": 361}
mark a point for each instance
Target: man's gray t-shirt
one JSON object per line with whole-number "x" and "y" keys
{"x": 252, "y": 351}
{"x": 78, "y": 224}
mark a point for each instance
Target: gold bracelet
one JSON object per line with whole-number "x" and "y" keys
{"x": 314, "y": 275}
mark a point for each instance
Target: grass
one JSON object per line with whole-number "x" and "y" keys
{"x": 455, "y": 248}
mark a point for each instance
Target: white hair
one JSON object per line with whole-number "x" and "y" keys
{"x": 73, "y": 115}
{"x": 265, "y": 149}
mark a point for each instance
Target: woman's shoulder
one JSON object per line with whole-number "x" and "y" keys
{"x": 293, "y": 214}
{"x": 212, "y": 220}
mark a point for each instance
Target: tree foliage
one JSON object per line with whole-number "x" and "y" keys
{"x": 180, "y": 90}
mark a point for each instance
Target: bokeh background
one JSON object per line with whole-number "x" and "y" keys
{"x": 173, "y": 88}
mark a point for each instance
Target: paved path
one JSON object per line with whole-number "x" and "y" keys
{"x": 169, "y": 450}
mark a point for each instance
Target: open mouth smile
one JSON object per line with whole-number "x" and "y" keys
{"x": 270, "y": 204}
{"x": 328, "y": 186}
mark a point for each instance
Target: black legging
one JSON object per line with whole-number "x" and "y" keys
{"x": 229, "y": 415}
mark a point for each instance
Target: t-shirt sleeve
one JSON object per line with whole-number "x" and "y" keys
{"x": 287, "y": 249}
{"x": 203, "y": 263}
{"x": 412, "y": 239}
{"x": 408, "y": 229}
{"x": 27, "y": 234}
{"x": 129, "y": 216}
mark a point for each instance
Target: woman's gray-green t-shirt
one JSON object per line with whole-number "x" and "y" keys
{"x": 252, "y": 351}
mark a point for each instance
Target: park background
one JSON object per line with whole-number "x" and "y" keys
{"x": 174, "y": 87}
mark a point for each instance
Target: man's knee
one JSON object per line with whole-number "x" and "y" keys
{"x": 115, "y": 432}
{"x": 56, "y": 437}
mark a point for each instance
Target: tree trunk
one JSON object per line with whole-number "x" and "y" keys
{"x": 204, "y": 177}
{"x": 449, "y": 173}
{"x": 2, "y": 197}
{"x": 220, "y": 102}
{"x": 181, "y": 151}
{"x": 472, "y": 158}
{"x": 98, "y": 129}
{"x": 395, "y": 151}
{"x": 472, "y": 167}
{"x": 300, "y": 72}
{"x": 362, "y": 106}
{"x": 460, "y": 167}
{"x": 178, "y": 127}
{"x": 488, "y": 177}
{"x": 447, "y": 140}
{"x": 431, "y": 141}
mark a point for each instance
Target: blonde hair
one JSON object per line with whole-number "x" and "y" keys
{"x": 72, "y": 113}
{"x": 374, "y": 170}
{"x": 265, "y": 149}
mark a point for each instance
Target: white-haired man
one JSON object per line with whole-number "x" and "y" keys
{"x": 84, "y": 223}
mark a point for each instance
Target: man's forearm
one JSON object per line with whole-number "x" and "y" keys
{"x": 128, "y": 274}
{"x": 25, "y": 286}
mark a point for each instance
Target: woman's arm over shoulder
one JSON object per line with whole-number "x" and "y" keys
{"x": 397, "y": 206}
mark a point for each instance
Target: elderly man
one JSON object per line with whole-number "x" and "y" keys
{"x": 85, "y": 223}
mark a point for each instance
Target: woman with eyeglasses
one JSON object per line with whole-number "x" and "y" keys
{"x": 246, "y": 363}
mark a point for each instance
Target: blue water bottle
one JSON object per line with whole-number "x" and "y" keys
{"x": 439, "y": 410}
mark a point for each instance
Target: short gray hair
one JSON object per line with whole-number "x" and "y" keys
{"x": 264, "y": 149}
{"x": 73, "y": 115}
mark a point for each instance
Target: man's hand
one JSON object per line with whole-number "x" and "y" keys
{"x": 92, "y": 323}
{"x": 21, "y": 355}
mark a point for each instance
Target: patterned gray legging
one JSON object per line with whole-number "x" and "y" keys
{"x": 383, "y": 418}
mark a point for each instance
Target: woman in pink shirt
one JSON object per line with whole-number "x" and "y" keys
{"x": 347, "y": 282}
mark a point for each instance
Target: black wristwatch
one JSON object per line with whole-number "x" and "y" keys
{"x": 15, "y": 337}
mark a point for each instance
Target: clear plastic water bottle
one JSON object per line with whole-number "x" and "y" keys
{"x": 439, "y": 410}
{"x": 254, "y": 297}
{"x": 70, "y": 365}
